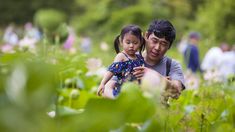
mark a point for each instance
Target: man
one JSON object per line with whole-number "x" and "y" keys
{"x": 159, "y": 38}
{"x": 191, "y": 54}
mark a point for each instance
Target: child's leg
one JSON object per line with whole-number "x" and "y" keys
{"x": 108, "y": 90}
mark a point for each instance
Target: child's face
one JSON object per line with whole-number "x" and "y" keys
{"x": 130, "y": 44}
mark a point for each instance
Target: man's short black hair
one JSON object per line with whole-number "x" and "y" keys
{"x": 162, "y": 29}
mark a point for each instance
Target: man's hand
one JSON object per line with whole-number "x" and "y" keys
{"x": 174, "y": 88}
{"x": 139, "y": 72}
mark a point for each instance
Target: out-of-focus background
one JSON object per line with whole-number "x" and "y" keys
{"x": 53, "y": 55}
{"x": 102, "y": 20}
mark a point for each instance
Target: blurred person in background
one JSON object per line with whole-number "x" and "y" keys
{"x": 86, "y": 44}
{"x": 31, "y": 36}
{"x": 227, "y": 64}
{"x": 182, "y": 45}
{"x": 213, "y": 57}
{"x": 32, "y": 32}
{"x": 191, "y": 60}
{"x": 218, "y": 63}
{"x": 191, "y": 53}
{"x": 10, "y": 37}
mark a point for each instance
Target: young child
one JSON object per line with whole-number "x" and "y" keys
{"x": 131, "y": 41}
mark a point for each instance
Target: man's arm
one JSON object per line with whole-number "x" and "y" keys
{"x": 173, "y": 86}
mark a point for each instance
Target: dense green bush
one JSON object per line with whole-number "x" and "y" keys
{"x": 215, "y": 20}
{"x": 20, "y": 12}
{"x": 106, "y": 18}
{"x": 132, "y": 15}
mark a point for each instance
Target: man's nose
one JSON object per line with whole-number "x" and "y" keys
{"x": 157, "y": 46}
{"x": 131, "y": 45}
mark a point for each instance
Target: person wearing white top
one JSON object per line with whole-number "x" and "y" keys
{"x": 227, "y": 64}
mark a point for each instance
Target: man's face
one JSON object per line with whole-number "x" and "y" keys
{"x": 156, "y": 47}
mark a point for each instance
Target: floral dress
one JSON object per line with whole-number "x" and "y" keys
{"x": 123, "y": 71}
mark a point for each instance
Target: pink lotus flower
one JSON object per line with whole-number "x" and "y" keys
{"x": 104, "y": 46}
{"x": 153, "y": 84}
{"x": 213, "y": 76}
{"x": 95, "y": 67}
{"x": 191, "y": 80}
{"x": 7, "y": 48}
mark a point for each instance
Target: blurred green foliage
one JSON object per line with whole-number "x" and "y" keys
{"x": 49, "y": 19}
{"x": 27, "y": 92}
{"x": 51, "y": 91}
{"x": 20, "y": 12}
{"x": 104, "y": 19}
{"x": 52, "y": 22}
{"x": 215, "y": 20}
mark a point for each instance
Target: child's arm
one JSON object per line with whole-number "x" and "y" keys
{"x": 108, "y": 75}
{"x": 119, "y": 57}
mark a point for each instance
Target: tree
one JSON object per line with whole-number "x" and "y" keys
{"x": 216, "y": 19}
{"x": 22, "y": 11}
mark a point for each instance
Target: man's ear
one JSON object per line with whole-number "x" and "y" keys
{"x": 146, "y": 35}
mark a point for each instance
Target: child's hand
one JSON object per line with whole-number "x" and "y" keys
{"x": 100, "y": 90}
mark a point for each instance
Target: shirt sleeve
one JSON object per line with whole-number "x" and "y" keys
{"x": 176, "y": 73}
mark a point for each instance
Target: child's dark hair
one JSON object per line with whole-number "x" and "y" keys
{"x": 162, "y": 29}
{"x": 134, "y": 30}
